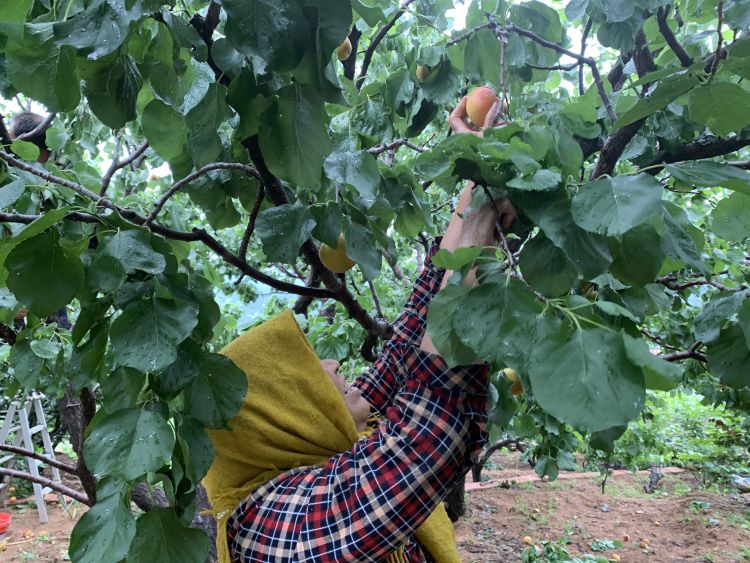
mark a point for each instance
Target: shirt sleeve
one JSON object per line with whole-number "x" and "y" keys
{"x": 380, "y": 383}
{"x": 365, "y": 503}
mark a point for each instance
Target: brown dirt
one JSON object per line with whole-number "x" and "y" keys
{"x": 682, "y": 523}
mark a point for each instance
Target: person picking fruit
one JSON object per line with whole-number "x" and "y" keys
{"x": 299, "y": 476}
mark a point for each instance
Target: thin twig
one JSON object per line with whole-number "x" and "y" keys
{"x": 467, "y": 34}
{"x": 375, "y": 300}
{"x": 661, "y": 18}
{"x": 394, "y": 267}
{"x": 584, "y": 37}
{"x": 44, "y": 481}
{"x": 43, "y": 458}
{"x": 43, "y": 126}
{"x": 720, "y": 41}
{"x": 394, "y": 145}
{"x": 107, "y": 179}
{"x": 190, "y": 177}
{"x": 499, "y": 228}
{"x": 376, "y": 41}
{"x": 658, "y": 340}
{"x": 242, "y": 253}
{"x": 690, "y": 353}
{"x": 571, "y": 66}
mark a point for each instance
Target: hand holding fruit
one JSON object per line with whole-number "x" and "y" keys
{"x": 481, "y": 107}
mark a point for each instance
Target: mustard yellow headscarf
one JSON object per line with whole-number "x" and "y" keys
{"x": 292, "y": 416}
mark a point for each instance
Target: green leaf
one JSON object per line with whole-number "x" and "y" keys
{"x": 129, "y": 443}
{"x": 293, "y": 136}
{"x": 658, "y": 374}
{"x": 197, "y": 448}
{"x": 729, "y": 357}
{"x": 584, "y": 378}
{"x": 361, "y": 248}
{"x": 637, "y": 256}
{"x": 723, "y": 107}
{"x": 618, "y": 11}
{"x": 28, "y": 368}
{"x": 111, "y": 88}
{"x": 101, "y": 28}
{"x": 457, "y": 259}
{"x": 613, "y": 206}
{"x": 165, "y": 130}
{"x": 42, "y": 70}
{"x": 356, "y": 169}
{"x": 730, "y": 219}
{"x": 10, "y": 192}
{"x": 283, "y": 229}
{"x": 614, "y": 309}
{"x": 44, "y": 349}
{"x": 202, "y": 123}
{"x": 443, "y": 308}
{"x": 546, "y": 267}
{"x": 44, "y": 275}
{"x": 604, "y": 440}
{"x": 216, "y": 393}
{"x": 121, "y": 389}
{"x": 272, "y": 33}
{"x": 146, "y": 335}
{"x": 481, "y": 58}
{"x": 104, "y": 533}
{"x": 26, "y": 150}
{"x": 541, "y": 180}
{"x": 677, "y": 242}
{"x": 161, "y": 537}
{"x": 720, "y": 308}
{"x": 575, "y": 9}
{"x": 243, "y": 95}
{"x": 706, "y": 174}
{"x": 132, "y": 251}
{"x": 664, "y": 94}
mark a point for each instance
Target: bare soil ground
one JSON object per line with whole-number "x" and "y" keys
{"x": 681, "y": 522}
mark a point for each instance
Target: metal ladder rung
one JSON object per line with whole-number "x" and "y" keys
{"x": 7, "y": 458}
{"x": 36, "y": 429}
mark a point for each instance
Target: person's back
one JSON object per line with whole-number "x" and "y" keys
{"x": 23, "y": 125}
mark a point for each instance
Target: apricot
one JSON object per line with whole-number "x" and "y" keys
{"x": 615, "y": 557}
{"x": 335, "y": 259}
{"x": 527, "y": 540}
{"x": 512, "y": 375}
{"x": 344, "y": 50}
{"x": 423, "y": 72}
{"x": 479, "y": 102}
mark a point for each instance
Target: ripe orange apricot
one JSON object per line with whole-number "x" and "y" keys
{"x": 527, "y": 540}
{"x": 479, "y": 102}
{"x": 344, "y": 50}
{"x": 423, "y": 72}
{"x": 335, "y": 259}
{"x": 512, "y": 375}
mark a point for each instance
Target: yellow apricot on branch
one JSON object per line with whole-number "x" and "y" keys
{"x": 335, "y": 259}
{"x": 423, "y": 72}
{"x": 512, "y": 375}
{"x": 344, "y": 50}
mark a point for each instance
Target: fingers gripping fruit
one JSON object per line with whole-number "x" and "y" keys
{"x": 335, "y": 259}
{"x": 479, "y": 102}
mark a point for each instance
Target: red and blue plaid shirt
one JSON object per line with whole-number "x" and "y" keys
{"x": 365, "y": 503}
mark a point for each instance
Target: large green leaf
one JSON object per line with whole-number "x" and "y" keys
{"x": 272, "y": 33}
{"x": 165, "y": 129}
{"x": 665, "y": 93}
{"x": 42, "y": 70}
{"x": 637, "y": 255}
{"x": 293, "y": 136}
{"x": 101, "y": 28}
{"x": 546, "y": 267}
{"x": 729, "y": 357}
{"x": 129, "y": 443}
{"x": 356, "y": 169}
{"x": 723, "y": 107}
{"x": 112, "y": 88}
{"x": 146, "y": 335}
{"x": 131, "y": 250}
{"x": 161, "y": 537}
{"x": 707, "y": 174}
{"x": 216, "y": 392}
{"x": 584, "y": 378}
{"x": 613, "y": 206}
{"x": 104, "y": 533}
{"x": 202, "y": 123}
{"x": 283, "y": 229}
{"x": 361, "y": 248}
{"x": 719, "y": 309}
{"x": 197, "y": 448}
{"x": 657, "y": 373}
{"x": 443, "y": 309}
{"x": 481, "y": 58}
{"x": 678, "y": 242}
{"x": 10, "y": 192}
{"x": 730, "y": 219}
{"x": 43, "y": 274}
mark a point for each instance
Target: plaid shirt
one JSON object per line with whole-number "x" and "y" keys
{"x": 366, "y": 502}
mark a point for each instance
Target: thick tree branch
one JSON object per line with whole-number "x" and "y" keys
{"x": 43, "y": 458}
{"x": 670, "y": 281}
{"x": 691, "y": 353}
{"x": 177, "y": 186}
{"x": 205, "y": 26}
{"x": 276, "y": 194}
{"x": 120, "y": 164}
{"x": 350, "y": 64}
{"x": 376, "y": 41}
{"x": 697, "y": 150}
{"x": 720, "y": 40}
{"x": 251, "y": 222}
{"x": 661, "y": 18}
{"x": 45, "y": 482}
{"x": 657, "y": 339}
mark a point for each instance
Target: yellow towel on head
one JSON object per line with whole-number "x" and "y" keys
{"x": 292, "y": 416}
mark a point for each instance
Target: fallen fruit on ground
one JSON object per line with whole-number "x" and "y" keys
{"x": 527, "y": 540}
{"x": 479, "y": 102}
{"x": 344, "y": 50}
{"x": 335, "y": 259}
{"x": 615, "y": 557}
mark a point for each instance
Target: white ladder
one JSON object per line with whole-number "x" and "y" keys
{"x": 23, "y": 412}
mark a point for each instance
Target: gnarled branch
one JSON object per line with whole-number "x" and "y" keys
{"x": 696, "y": 151}
{"x": 691, "y": 353}
{"x": 43, "y": 458}
{"x": 661, "y": 18}
{"x": 45, "y": 482}
{"x": 394, "y": 145}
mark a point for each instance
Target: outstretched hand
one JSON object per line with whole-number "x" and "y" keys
{"x": 458, "y": 119}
